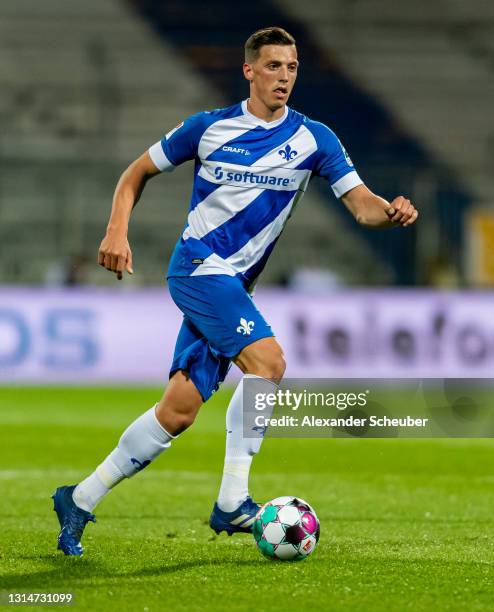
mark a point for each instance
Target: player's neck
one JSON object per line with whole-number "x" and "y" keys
{"x": 261, "y": 111}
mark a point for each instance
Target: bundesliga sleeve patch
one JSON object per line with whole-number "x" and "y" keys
{"x": 171, "y": 132}
{"x": 345, "y": 153}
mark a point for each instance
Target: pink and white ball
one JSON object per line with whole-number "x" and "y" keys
{"x": 286, "y": 528}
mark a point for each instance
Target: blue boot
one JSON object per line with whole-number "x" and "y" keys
{"x": 72, "y": 521}
{"x": 238, "y": 521}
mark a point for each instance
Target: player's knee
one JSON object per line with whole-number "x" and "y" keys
{"x": 173, "y": 419}
{"x": 272, "y": 367}
{"x": 178, "y": 408}
{"x": 278, "y": 367}
{"x": 182, "y": 421}
{"x": 263, "y": 358}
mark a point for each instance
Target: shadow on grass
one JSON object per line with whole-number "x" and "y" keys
{"x": 76, "y": 571}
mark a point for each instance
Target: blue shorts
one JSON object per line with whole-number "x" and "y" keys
{"x": 220, "y": 319}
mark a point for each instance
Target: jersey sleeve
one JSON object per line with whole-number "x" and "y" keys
{"x": 179, "y": 145}
{"x": 333, "y": 162}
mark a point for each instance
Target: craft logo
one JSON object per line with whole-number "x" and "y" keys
{"x": 229, "y": 149}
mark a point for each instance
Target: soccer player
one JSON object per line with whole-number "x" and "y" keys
{"x": 253, "y": 162}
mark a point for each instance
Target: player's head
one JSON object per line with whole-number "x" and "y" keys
{"x": 271, "y": 66}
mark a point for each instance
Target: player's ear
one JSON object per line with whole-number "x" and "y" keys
{"x": 248, "y": 73}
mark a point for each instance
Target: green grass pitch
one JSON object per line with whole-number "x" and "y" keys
{"x": 405, "y": 524}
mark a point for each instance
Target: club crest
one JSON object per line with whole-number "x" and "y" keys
{"x": 288, "y": 153}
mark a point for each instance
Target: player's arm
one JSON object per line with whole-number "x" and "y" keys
{"x": 371, "y": 210}
{"x": 114, "y": 252}
{"x": 178, "y": 146}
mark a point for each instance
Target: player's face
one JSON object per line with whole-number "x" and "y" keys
{"x": 273, "y": 74}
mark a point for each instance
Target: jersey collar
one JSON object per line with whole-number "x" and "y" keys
{"x": 265, "y": 124}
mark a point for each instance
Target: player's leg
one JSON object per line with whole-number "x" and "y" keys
{"x": 262, "y": 358}
{"x": 178, "y": 408}
{"x": 226, "y": 316}
{"x": 144, "y": 440}
{"x": 263, "y": 366}
{"x": 151, "y": 433}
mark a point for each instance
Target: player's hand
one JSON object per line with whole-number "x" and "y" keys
{"x": 402, "y": 211}
{"x": 115, "y": 255}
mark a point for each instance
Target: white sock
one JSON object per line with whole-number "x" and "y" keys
{"x": 239, "y": 450}
{"x": 140, "y": 443}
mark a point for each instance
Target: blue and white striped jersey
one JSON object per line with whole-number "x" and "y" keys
{"x": 249, "y": 175}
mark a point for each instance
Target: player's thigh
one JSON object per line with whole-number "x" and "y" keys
{"x": 194, "y": 355}
{"x": 264, "y": 358}
{"x": 222, "y": 310}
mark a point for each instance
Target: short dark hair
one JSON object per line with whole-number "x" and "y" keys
{"x": 267, "y": 36}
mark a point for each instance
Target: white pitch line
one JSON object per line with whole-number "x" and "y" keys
{"x": 68, "y": 474}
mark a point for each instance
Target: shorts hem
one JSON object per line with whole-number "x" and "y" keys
{"x": 192, "y": 378}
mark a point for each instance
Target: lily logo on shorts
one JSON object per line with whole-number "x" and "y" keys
{"x": 245, "y": 328}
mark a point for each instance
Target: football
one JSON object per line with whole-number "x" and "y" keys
{"x": 286, "y": 528}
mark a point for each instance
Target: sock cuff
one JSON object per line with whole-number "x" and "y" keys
{"x": 160, "y": 430}
{"x": 268, "y": 380}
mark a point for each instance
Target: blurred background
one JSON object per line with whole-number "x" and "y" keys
{"x": 408, "y": 88}
{"x": 85, "y": 88}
